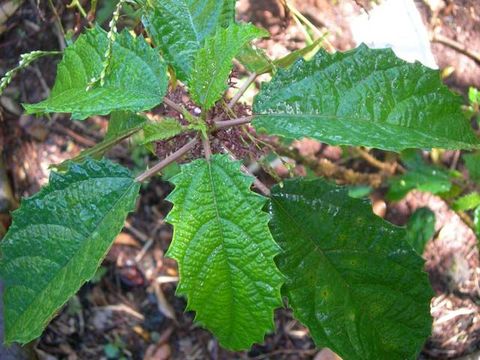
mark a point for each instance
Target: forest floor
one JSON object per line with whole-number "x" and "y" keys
{"x": 130, "y": 309}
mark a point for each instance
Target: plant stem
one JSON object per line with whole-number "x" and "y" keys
{"x": 307, "y": 22}
{"x": 174, "y": 105}
{"x": 389, "y": 168}
{"x": 167, "y": 161}
{"x": 242, "y": 89}
{"x": 180, "y": 109}
{"x": 256, "y": 182}
{"x": 228, "y": 123}
{"x": 206, "y": 147}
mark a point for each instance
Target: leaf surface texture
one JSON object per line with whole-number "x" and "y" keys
{"x": 58, "y": 239}
{"x": 366, "y": 97}
{"x": 179, "y": 27}
{"x": 352, "y": 278}
{"x": 213, "y": 62}
{"x": 136, "y": 80}
{"x": 224, "y": 251}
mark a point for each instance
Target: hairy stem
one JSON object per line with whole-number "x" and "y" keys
{"x": 256, "y": 182}
{"x": 228, "y": 123}
{"x": 167, "y": 161}
{"x": 180, "y": 109}
{"x": 174, "y": 105}
{"x": 206, "y": 147}
{"x": 242, "y": 89}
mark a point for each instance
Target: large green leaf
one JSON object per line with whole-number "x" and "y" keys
{"x": 179, "y": 27}
{"x": 136, "y": 79}
{"x": 58, "y": 239}
{"x": 213, "y": 62}
{"x": 224, "y": 251}
{"x": 363, "y": 97}
{"x": 351, "y": 277}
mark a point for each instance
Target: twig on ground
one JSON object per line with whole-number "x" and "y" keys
{"x": 372, "y": 160}
{"x": 78, "y": 138}
{"x": 324, "y": 167}
{"x": 167, "y": 161}
{"x": 456, "y": 158}
{"x": 438, "y": 38}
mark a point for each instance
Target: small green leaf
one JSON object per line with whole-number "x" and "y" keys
{"x": 428, "y": 179}
{"x": 420, "y": 229}
{"x": 213, "y": 62}
{"x": 360, "y": 191}
{"x": 420, "y": 176}
{"x": 165, "y": 129}
{"x": 365, "y": 97}
{"x": 254, "y": 59}
{"x": 224, "y": 251}
{"x": 58, "y": 239}
{"x": 474, "y": 96}
{"x": 121, "y": 126}
{"x": 472, "y": 162}
{"x": 467, "y": 202}
{"x": 122, "y": 122}
{"x": 308, "y": 50}
{"x": 136, "y": 81}
{"x": 179, "y": 27}
{"x": 476, "y": 221}
{"x": 352, "y": 279}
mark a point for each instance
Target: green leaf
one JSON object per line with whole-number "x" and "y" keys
{"x": 136, "y": 81}
{"x": 165, "y": 129}
{"x": 467, "y": 202}
{"x": 179, "y": 27}
{"x": 473, "y": 96}
{"x": 121, "y": 126}
{"x": 472, "y": 162}
{"x": 224, "y": 251}
{"x": 213, "y": 62}
{"x": 420, "y": 229}
{"x": 306, "y": 51}
{"x": 427, "y": 179}
{"x": 365, "y": 97}
{"x": 359, "y": 191}
{"x": 58, "y": 239}
{"x": 254, "y": 59}
{"x": 420, "y": 176}
{"x": 476, "y": 221}
{"x": 352, "y": 279}
{"x": 122, "y": 122}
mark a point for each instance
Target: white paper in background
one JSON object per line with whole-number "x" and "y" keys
{"x": 395, "y": 24}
